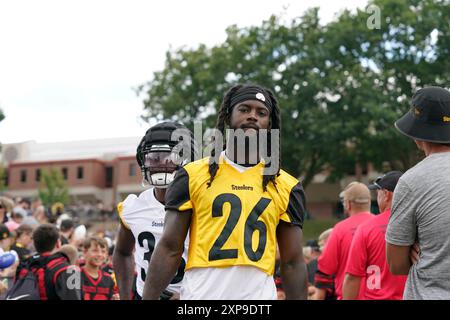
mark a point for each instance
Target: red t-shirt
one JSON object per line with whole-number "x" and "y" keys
{"x": 367, "y": 259}
{"x": 333, "y": 260}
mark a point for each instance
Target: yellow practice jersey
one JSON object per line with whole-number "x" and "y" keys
{"x": 234, "y": 221}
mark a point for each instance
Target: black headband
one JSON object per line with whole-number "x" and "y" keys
{"x": 250, "y": 93}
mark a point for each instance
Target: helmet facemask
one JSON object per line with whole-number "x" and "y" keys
{"x": 160, "y": 163}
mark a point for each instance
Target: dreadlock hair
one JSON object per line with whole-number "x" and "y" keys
{"x": 223, "y": 120}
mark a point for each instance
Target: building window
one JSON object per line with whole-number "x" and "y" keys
{"x": 65, "y": 173}
{"x": 80, "y": 173}
{"x": 23, "y": 176}
{"x": 132, "y": 170}
{"x": 109, "y": 174}
{"x": 38, "y": 175}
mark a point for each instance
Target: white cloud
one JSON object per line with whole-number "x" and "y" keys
{"x": 67, "y": 69}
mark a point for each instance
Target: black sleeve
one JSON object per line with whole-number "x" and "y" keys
{"x": 177, "y": 195}
{"x": 296, "y": 209}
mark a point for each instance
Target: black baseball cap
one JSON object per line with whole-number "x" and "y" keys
{"x": 387, "y": 181}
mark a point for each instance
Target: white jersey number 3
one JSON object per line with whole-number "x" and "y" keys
{"x": 150, "y": 239}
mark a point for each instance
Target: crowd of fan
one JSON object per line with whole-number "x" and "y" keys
{"x": 31, "y": 233}
{"x": 21, "y": 218}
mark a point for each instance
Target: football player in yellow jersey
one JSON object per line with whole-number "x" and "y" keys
{"x": 236, "y": 214}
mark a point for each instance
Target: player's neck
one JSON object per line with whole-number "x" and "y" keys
{"x": 249, "y": 158}
{"x": 160, "y": 194}
{"x": 92, "y": 270}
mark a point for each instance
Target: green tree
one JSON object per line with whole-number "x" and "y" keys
{"x": 53, "y": 188}
{"x": 340, "y": 86}
{"x": 2, "y": 178}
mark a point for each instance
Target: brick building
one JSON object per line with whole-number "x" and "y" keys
{"x": 95, "y": 170}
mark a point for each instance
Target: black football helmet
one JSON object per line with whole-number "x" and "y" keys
{"x": 165, "y": 148}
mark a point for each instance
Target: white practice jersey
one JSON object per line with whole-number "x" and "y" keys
{"x": 144, "y": 217}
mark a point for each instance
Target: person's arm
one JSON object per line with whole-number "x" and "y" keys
{"x": 123, "y": 262}
{"x": 292, "y": 264}
{"x": 319, "y": 294}
{"x": 324, "y": 284}
{"x": 350, "y": 289}
{"x": 167, "y": 255}
{"x": 401, "y": 233}
{"x": 398, "y": 259}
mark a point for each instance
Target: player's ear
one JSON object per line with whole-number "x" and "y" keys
{"x": 389, "y": 195}
{"x": 58, "y": 244}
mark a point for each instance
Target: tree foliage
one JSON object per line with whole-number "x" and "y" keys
{"x": 340, "y": 85}
{"x": 53, "y": 188}
{"x": 2, "y": 178}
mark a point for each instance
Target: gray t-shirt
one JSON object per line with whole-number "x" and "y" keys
{"x": 421, "y": 212}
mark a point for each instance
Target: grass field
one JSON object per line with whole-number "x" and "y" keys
{"x": 312, "y": 228}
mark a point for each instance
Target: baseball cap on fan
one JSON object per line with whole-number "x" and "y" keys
{"x": 387, "y": 181}
{"x": 356, "y": 192}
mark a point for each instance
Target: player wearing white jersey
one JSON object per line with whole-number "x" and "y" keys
{"x": 142, "y": 217}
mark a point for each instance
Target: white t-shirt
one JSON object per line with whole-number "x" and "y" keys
{"x": 144, "y": 216}
{"x": 231, "y": 283}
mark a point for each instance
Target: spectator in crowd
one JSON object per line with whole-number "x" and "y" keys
{"x": 56, "y": 275}
{"x": 8, "y": 259}
{"x": 23, "y": 241}
{"x": 40, "y": 214}
{"x": 323, "y": 239}
{"x": 314, "y": 254}
{"x": 66, "y": 230}
{"x": 6, "y": 238}
{"x": 332, "y": 262}
{"x": 15, "y": 221}
{"x": 312, "y": 265}
{"x": 35, "y": 203}
{"x": 420, "y": 207}
{"x": 79, "y": 235}
{"x": 367, "y": 257}
{"x": 96, "y": 283}
{"x": 6, "y": 206}
{"x": 31, "y": 221}
{"x": 24, "y": 204}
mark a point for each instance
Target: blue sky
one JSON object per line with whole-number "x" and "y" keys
{"x": 68, "y": 68}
